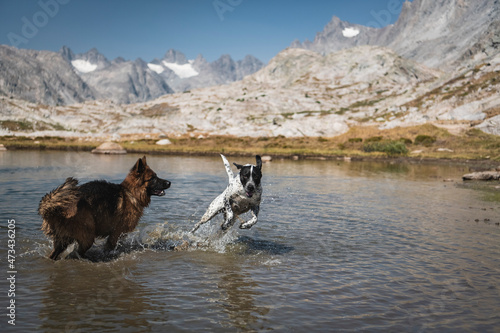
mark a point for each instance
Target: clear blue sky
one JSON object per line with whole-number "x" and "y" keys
{"x": 147, "y": 29}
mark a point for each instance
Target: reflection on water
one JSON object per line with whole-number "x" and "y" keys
{"x": 88, "y": 304}
{"x": 338, "y": 246}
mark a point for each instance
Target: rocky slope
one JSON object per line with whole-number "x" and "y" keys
{"x": 298, "y": 93}
{"x": 66, "y": 78}
{"x": 137, "y": 81}
{"x": 437, "y": 34}
{"x": 40, "y": 77}
{"x": 119, "y": 81}
{"x": 182, "y": 74}
{"x": 436, "y": 67}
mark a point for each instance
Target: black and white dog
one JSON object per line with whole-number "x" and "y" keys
{"x": 243, "y": 194}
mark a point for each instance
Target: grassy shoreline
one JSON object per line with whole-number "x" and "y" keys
{"x": 419, "y": 143}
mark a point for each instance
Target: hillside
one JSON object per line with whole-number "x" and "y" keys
{"x": 299, "y": 93}
{"x": 439, "y": 34}
{"x": 439, "y": 64}
{"x": 65, "y": 78}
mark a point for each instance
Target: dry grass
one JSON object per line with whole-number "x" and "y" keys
{"x": 474, "y": 144}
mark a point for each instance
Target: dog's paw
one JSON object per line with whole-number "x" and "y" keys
{"x": 246, "y": 226}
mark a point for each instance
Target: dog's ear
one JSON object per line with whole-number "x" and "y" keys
{"x": 239, "y": 166}
{"x": 140, "y": 165}
{"x": 259, "y": 162}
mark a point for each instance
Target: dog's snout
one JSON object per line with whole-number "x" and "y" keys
{"x": 166, "y": 184}
{"x": 251, "y": 187}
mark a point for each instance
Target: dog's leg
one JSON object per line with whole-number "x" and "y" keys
{"x": 215, "y": 207}
{"x": 253, "y": 220}
{"x": 84, "y": 246}
{"x": 209, "y": 214}
{"x": 59, "y": 247}
{"x": 228, "y": 216}
{"x": 112, "y": 241}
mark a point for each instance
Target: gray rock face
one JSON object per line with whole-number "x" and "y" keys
{"x": 40, "y": 76}
{"x": 67, "y": 78}
{"x": 174, "y": 56}
{"x": 299, "y": 93}
{"x": 435, "y": 33}
{"x": 126, "y": 82}
{"x": 92, "y": 56}
{"x": 119, "y": 81}
{"x": 484, "y": 175}
{"x": 200, "y": 73}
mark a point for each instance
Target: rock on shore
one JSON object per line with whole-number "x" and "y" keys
{"x": 109, "y": 148}
{"x": 483, "y": 175}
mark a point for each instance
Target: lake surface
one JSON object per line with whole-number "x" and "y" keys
{"x": 338, "y": 247}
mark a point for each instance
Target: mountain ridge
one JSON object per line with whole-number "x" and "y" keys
{"x": 294, "y": 96}
{"x": 435, "y": 33}
{"x": 300, "y": 92}
{"x": 91, "y": 76}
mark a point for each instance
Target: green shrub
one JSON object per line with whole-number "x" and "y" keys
{"x": 425, "y": 140}
{"x": 406, "y": 141}
{"x": 374, "y": 139}
{"x": 391, "y": 148}
{"x": 354, "y": 140}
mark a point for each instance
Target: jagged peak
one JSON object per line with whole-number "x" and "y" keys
{"x": 66, "y": 53}
{"x": 174, "y": 56}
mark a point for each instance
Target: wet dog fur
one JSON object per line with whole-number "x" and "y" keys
{"x": 81, "y": 213}
{"x": 242, "y": 194}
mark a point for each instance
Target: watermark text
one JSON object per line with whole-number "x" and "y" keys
{"x": 223, "y": 6}
{"x": 30, "y": 26}
{"x": 11, "y": 271}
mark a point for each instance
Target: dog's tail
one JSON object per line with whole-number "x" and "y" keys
{"x": 60, "y": 203}
{"x": 230, "y": 173}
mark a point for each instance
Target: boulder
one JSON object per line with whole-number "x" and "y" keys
{"x": 483, "y": 175}
{"x": 109, "y": 148}
{"x": 266, "y": 159}
{"x": 163, "y": 142}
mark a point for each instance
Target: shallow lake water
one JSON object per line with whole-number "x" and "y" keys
{"x": 339, "y": 246}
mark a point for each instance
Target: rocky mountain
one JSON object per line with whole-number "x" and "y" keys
{"x": 129, "y": 82}
{"x": 119, "y": 81}
{"x": 67, "y": 78}
{"x": 339, "y": 35}
{"x": 439, "y": 72}
{"x": 40, "y": 77}
{"x": 438, "y": 34}
{"x": 298, "y": 93}
{"x": 182, "y": 74}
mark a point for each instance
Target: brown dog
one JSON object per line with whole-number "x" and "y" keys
{"x": 98, "y": 208}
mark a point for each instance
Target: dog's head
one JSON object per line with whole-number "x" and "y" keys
{"x": 143, "y": 179}
{"x": 250, "y": 176}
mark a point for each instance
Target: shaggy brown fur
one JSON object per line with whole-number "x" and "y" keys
{"x": 98, "y": 208}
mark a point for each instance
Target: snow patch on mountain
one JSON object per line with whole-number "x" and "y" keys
{"x": 156, "y": 68}
{"x": 83, "y": 66}
{"x": 183, "y": 71}
{"x": 350, "y": 32}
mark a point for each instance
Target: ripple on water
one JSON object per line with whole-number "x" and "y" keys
{"x": 350, "y": 247}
